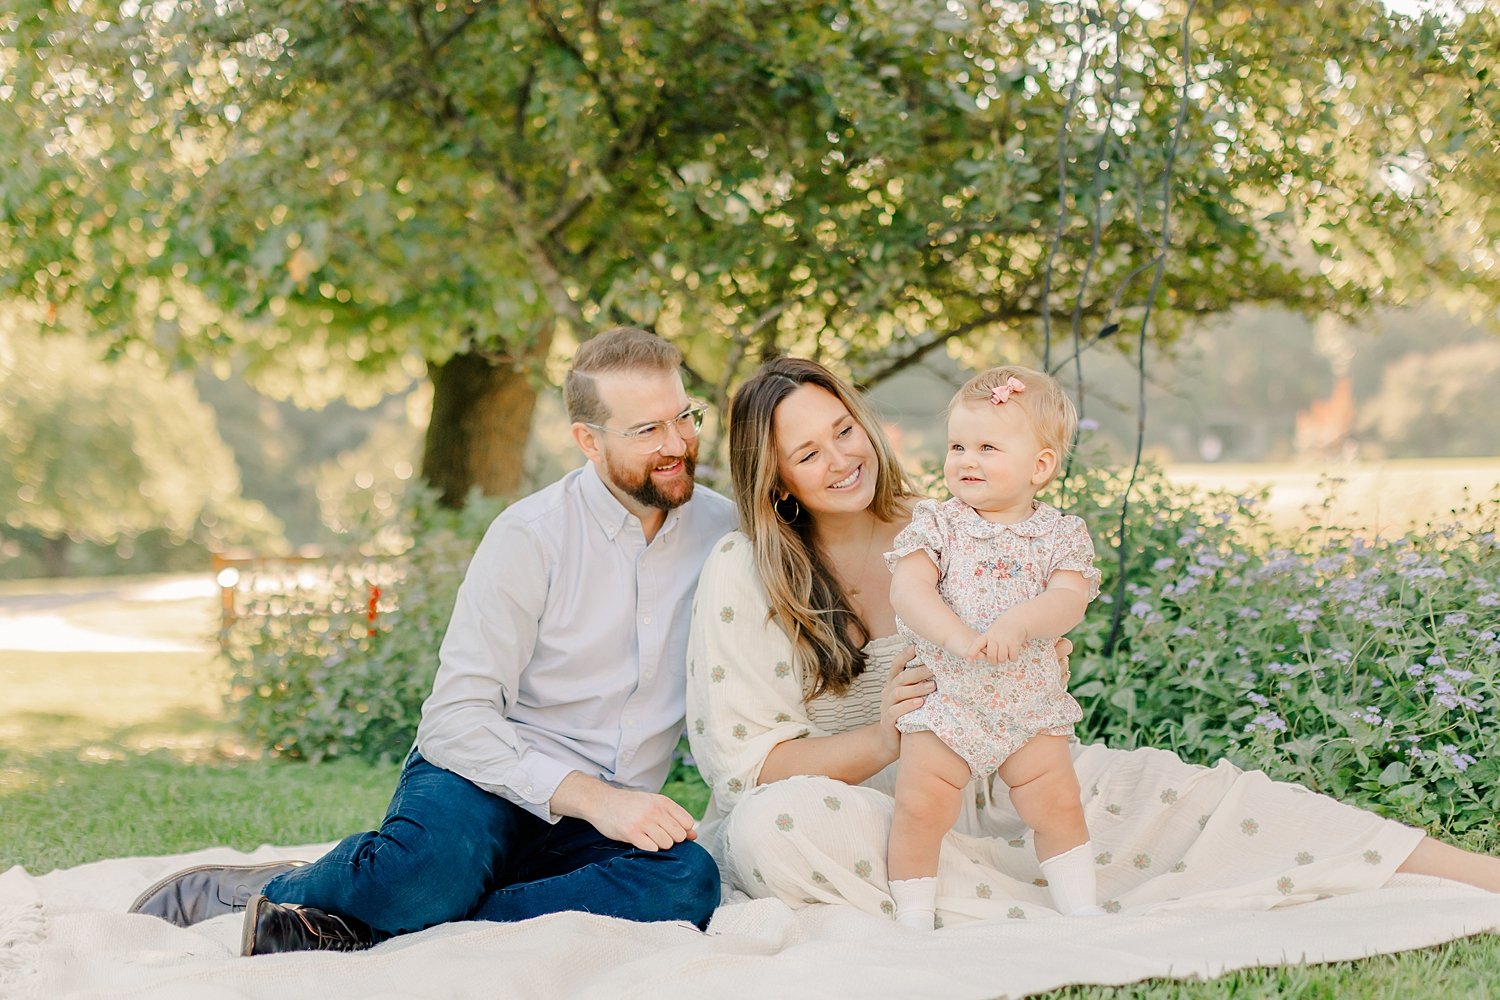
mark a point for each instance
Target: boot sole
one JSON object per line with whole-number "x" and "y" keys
{"x": 161, "y": 883}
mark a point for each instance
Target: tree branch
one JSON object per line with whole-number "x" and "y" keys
{"x": 523, "y": 98}
{"x": 1062, "y": 191}
{"x": 739, "y": 345}
{"x": 626, "y": 142}
{"x": 604, "y": 88}
{"x": 904, "y": 361}
{"x": 414, "y": 15}
{"x": 463, "y": 25}
{"x": 1101, "y": 152}
{"x": 1161, "y": 263}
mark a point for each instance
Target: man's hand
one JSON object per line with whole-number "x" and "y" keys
{"x": 644, "y": 820}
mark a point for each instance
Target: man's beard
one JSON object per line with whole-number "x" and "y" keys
{"x": 640, "y": 487}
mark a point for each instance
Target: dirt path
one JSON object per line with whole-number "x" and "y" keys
{"x": 165, "y": 614}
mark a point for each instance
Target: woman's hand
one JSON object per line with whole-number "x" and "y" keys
{"x": 1064, "y": 646}
{"x": 905, "y": 690}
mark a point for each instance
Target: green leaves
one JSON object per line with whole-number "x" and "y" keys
{"x": 861, "y": 182}
{"x": 314, "y": 677}
{"x": 1369, "y": 670}
{"x": 103, "y": 453}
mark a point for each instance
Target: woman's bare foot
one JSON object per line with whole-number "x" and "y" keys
{"x": 1433, "y": 857}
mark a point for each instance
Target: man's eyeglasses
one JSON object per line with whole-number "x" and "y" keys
{"x": 653, "y": 436}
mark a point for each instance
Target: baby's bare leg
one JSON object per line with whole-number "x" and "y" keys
{"x": 929, "y": 793}
{"x": 1044, "y": 790}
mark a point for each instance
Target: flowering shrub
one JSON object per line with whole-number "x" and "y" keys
{"x": 336, "y": 659}
{"x": 1366, "y": 669}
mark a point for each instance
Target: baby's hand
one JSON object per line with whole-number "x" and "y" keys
{"x": 960, "y": 641}
{"x": 1002, "y": 642}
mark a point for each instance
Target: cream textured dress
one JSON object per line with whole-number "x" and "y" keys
{"x": 1165, "y": 833}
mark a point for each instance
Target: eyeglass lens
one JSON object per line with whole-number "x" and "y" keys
{"x": 654, "y": 436}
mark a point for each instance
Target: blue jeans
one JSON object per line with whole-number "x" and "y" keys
{"x": 449, "y": 850}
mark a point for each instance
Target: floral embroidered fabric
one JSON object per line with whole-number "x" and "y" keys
{"x": 986, "y": 711}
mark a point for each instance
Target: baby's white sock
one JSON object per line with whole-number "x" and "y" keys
{"x": 916, "y": 901}
{"x": 1071, "y": 880}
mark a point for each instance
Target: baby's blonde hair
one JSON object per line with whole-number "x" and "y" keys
{"x": 1053, "y": 416}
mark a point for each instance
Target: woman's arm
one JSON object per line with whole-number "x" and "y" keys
{"x": 747, "y": 722}
{"x": 861, "y": 753}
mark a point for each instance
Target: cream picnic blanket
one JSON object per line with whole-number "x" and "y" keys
{"x": 66, "y": 934}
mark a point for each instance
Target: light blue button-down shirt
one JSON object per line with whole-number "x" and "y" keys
{"x": 567, "y": 644}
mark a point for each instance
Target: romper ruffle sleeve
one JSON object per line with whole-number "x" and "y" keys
{"x": 1075, "y": 551}
{"x": 924, "y": 534}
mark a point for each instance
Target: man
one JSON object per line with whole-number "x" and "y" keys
{"x": 558, "y": 701}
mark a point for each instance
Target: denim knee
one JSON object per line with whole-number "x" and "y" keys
{"x": 690, "y": 890}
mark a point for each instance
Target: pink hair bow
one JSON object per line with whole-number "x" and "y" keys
{"x": 1002, "y": 393}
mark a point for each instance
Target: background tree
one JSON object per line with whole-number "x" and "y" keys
{"x": 105, "y": 454}
{"x": 1438, "y": 404}
{"x": 342, "y": 187}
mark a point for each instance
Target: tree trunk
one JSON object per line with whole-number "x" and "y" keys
{"x": 481, "y": 418}
{"x": 55, "y": 554}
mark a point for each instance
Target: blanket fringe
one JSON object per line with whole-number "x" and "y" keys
{"x": 22, "y": 928}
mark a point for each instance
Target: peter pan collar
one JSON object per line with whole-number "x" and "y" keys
{"x": 1043, "y": 519}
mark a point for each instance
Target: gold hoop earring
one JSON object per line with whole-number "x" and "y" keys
{"x": 796, "y": 512}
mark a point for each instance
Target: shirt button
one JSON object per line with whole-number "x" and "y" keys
{"x": 528, "y": 789}
{"x": 646, "y": 620}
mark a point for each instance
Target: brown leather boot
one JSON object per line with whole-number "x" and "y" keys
{"x": 271, "y": 928}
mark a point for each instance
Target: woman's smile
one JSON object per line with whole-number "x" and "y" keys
{"x": 851, "y": 479}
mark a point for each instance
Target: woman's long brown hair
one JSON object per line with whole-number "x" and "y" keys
{"x": 807, "y": 601}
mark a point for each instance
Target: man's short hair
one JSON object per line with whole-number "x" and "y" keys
{"x": 623, "y": 349}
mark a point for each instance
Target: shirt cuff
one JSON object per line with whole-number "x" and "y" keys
{"x": 535, "y": 781}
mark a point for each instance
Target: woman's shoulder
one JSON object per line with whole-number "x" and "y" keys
{"x": 731, "y": 541}
{"x": 732, "y": 554}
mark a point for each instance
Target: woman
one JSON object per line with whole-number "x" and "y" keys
{"x": 796, "y": 678}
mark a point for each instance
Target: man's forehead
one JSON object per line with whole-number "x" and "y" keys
{"x": 641, "y": 396}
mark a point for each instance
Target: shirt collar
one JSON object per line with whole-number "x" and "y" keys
{"x": 607, "y": 508}
{"x": 1042, "y": 520}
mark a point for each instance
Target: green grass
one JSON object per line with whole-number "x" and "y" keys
{"x": 65, "y": 808}
{"x": 1469, "y": 968}
{"x": 142, "y": 700}
{"x": 113, "y": 754}
{"x": 107, "y": 755}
